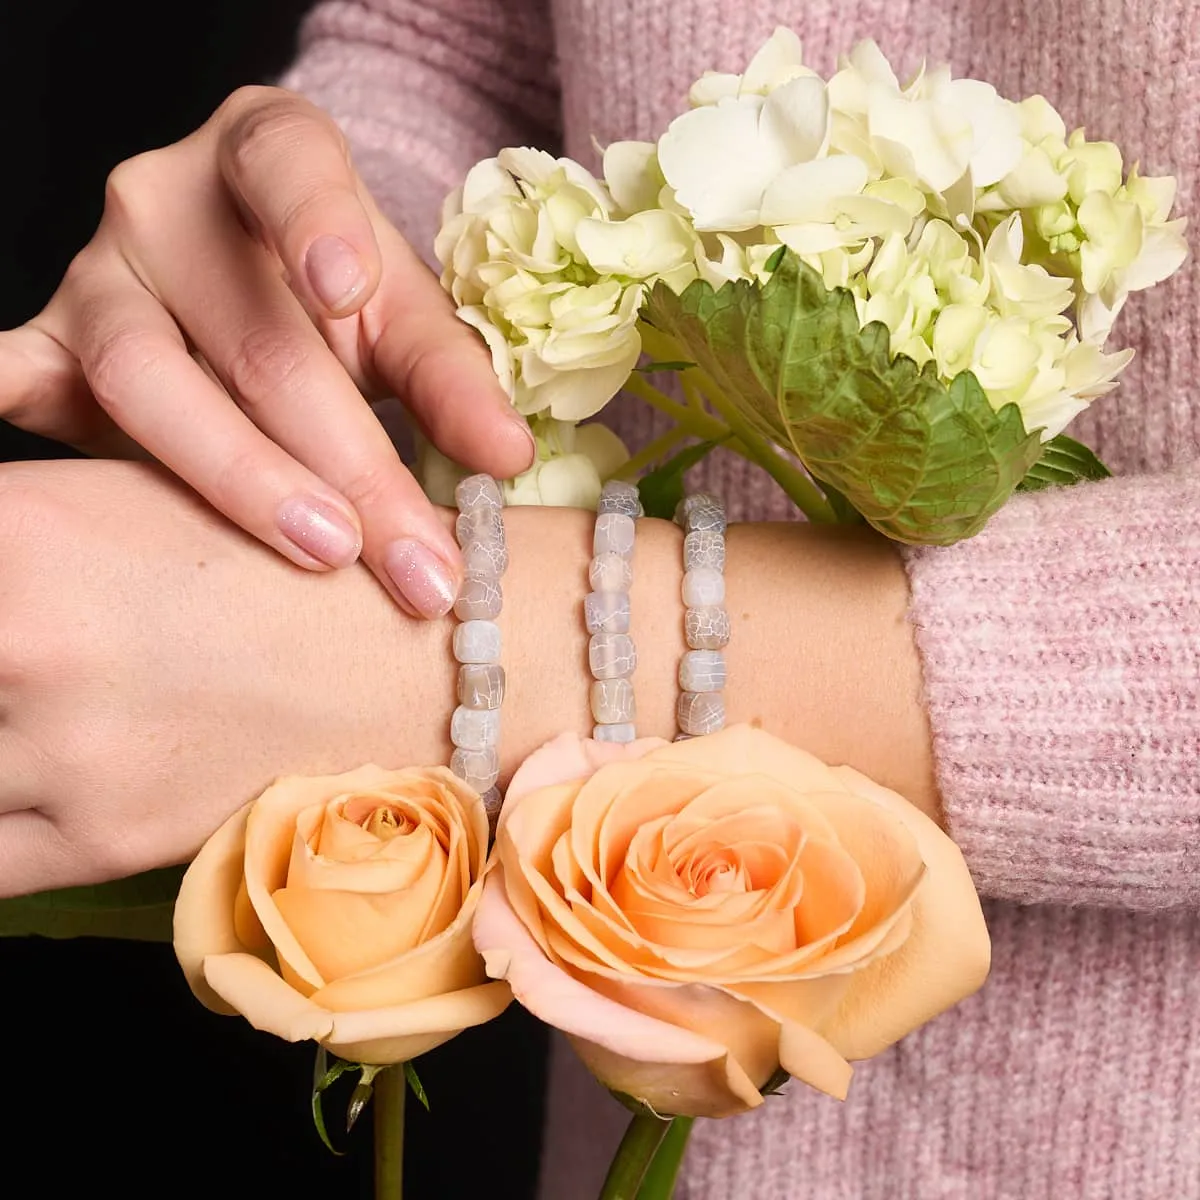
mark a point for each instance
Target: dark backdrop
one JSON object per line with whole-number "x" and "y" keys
{"x": 114, "y": 1079}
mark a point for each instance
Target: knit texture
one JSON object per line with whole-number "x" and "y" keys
{"x": 1061, "y": 647}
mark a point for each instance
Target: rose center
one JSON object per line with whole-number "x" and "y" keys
{"x": 385, "y": 822}
{"x": 716, "y": 871}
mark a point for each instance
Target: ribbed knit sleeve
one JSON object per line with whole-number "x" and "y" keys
{"x": 1061, "y": 652}
{"x": 424, "y": 90}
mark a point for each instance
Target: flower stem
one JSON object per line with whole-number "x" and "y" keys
{"x": 699, "y": 424}
{"x": 390, "y": 1087}
{"x": 634, "y": 1155}
{"x": 649, "y": 455}
{"x": 658, "y": 1183}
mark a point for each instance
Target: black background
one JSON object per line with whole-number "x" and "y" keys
{"x": 114, "y": 1079}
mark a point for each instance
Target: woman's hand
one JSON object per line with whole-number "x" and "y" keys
{"x": 240, "y": 297}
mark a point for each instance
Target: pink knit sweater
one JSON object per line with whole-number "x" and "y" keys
{"x": 1061, "y": 647}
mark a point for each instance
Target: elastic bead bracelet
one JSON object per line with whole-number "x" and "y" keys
{"x": 702, "y": 672}
{"x": 612, "y": 655}
{"x": 475, "y": 725}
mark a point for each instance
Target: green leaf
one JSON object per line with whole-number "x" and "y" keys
{"x": 922, "y": 462}
{"x": 140, "y": 908}
{"x": 662, "y": 489}
{"x": 324, "y": 1076}
{"x": 1063, "y": 461}
{"x": 651, "y": 367}
{"x": 414, "y": 1082}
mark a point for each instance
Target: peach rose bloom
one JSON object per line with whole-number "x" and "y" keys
{"x": 338, "y": 909}
{"x": 696, "y": 915}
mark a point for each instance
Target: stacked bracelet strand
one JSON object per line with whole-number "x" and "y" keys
{"x": 702, "y": 673}
{"x": 612, "y": 655}
{"x": 475, "y": 726}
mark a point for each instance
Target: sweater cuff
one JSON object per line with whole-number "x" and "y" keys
{"x": 1061, "y": 656}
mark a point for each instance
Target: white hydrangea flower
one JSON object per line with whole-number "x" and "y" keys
{"x": 570, "y": 467}
{"x": 778, "y": 61}
{"x": 933, "y": 131}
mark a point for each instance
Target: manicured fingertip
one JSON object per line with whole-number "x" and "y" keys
{"x": 425, "y": 584}
{"x": 319, "y": 530}
{"x": 337, "y": 274}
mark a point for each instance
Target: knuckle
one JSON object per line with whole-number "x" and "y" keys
{"x": 132, "y": 186}
{"x": 272, "y": 124}
{"x": 227, "y": 490}
{"x": 116, "y": 365}
{"x": 267, "y": 360}
{"x": 371, "y": 486}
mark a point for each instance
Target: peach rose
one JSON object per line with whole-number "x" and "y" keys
{"x": 696, "y": 915}
{"x": 338, "y": 909}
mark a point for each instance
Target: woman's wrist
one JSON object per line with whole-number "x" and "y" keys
{"x": 821, "y": 654}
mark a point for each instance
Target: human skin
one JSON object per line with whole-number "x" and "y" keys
{"x": 158, "y": 667}
{"x": 246, "y": 273}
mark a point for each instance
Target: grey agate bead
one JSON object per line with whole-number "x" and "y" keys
{"x": 477, "y": 768}
{"x": 475, "y": 728}
{"x": 493, "y": 801}
{"x": 614, "y": 535}
{"x": 478, "y": 491}
{"x": 702, "y": 671}
{"x": 481, "y": 685}
{"x": 612, "y": 655}
{"x": 704, "y": 548}
{"x": 477, "y": 642}
{"x": 485, "y": 556}
{"x": 701, "y": 512}
{"x": 606, "y": 612}
{"x": 703, "y": 587}
{"x": 624, "y": 732}
{"x": 610, "y": 573}
{"x": 619, "y": 497}
{"x": 706, "y": 628}
{"x": 613, "y": 701}
{"x": 700, "y": 712}
{"x": 483, "y": 524}
{"x": 479, "y": 600}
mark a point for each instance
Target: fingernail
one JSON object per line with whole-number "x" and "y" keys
{"x": 335, "y": 271}
{"x": 420, "y": 577}
{"x": 320, "y": 530}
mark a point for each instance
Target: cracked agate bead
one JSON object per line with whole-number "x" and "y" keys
{"x": 702, "y": 671}
{"x": 624, "y": 732}
{"x": 610, "y": 573}
{"x": 477, "y": 642}
{"x": 606, "y": 612}
{"x": 476, "y": 768}
{"x": 478, "y": 491}
{"x": 479, "y": 600}
{"x": 706, "y": 628}
{"x": 481, "y": 685}
{"x": 475, "y": 728}
{"x": 704, "y": 548}
{"x": 613, "y": 701}
{"x": 698, "y": 713}
{"x": 703, "y": 587}
{"x": 612, "y": 655}
{"x": 619, "y": 497}
{"x": 485, "y": 556}
{"x": 614, "y": 535}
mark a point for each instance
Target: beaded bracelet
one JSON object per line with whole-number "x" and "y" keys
{"x": 612, "y": 655}
{"x": 702, "y": 673}
{"x": 475, "y": 726}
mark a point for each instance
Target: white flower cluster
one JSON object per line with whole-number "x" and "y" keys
{"x": 976, "y": 229}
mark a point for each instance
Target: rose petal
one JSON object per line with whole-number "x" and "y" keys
{"x": 945, "y": 957}
{"x": 251, "y": 987}
{"x": 670, "y": 1068}
{"x": 204, "y": 910}
{"x": 446, "y": 963}
{"x": 403, "y": 1032}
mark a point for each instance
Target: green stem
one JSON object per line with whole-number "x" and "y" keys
{"x": 804, "y": 493}
{"x": 634, "y": 1155}
{"x": 390, "y": 1087}
{"x": 699, "y": 424}
{"x": 659, "y": 1181}
{"x": 649, "y": 455}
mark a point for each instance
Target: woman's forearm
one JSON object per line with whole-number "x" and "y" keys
{"x": 821, "y": 652}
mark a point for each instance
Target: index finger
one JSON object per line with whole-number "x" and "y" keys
{"x": 288, "y": 166}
